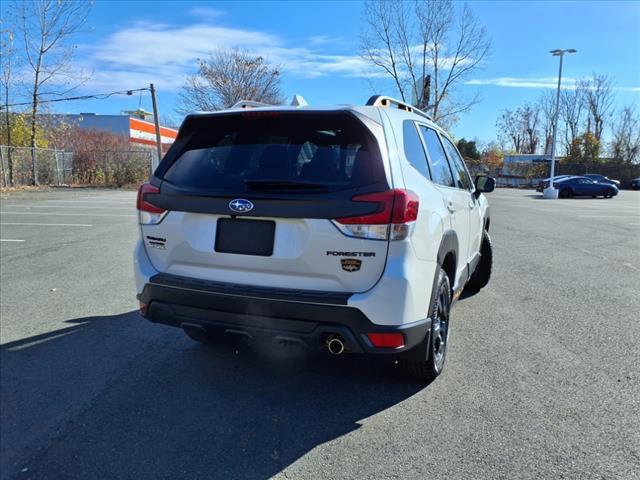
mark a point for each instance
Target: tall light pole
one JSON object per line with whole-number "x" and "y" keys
{"x": 550, "y": 191}
{"x": 156, "y": 120}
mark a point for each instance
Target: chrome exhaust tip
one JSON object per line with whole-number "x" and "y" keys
{"x": 335, "y": 345}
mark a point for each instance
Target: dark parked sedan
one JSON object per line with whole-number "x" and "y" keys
{"x": 635, "y": 183}
{"x": 602, "y": 179}
{"x": 585, "y": 187}
{"x": 542, "y": 184}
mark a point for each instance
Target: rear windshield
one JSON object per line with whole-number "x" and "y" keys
{"x": 272, "y": 151}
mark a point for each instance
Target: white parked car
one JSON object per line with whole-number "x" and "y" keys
{"x": 350, "y": 228}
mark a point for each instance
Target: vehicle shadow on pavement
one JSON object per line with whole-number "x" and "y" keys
{"x": 116, "y": 397}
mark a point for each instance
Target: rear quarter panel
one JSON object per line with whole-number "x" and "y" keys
{"x": 430, "y": 225}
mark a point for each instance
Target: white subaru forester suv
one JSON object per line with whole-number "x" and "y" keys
{"x": 351, "y": 229}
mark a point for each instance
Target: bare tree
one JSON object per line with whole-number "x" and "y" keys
{"x": 46, "y": 27}
{"x": 169, "y": 120}
{"x": 530, "y": 118}
{"x": 520, "y": 128}
{"x": 227, "y": 77}
{"x": 7, "y": 60}
{"x": 427, "y": 48}
{"x": 547, "y": 108}
{"x": 598, "y": 94}
{"x": 510, "y": 130}
{"x": 572, "y": 103}
{"x": 625, "y": 146}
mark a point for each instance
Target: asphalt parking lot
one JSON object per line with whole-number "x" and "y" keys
{"x": 542, "y": 377}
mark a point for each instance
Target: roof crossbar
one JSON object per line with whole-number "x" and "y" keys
{"x": 384, "y": 101}
{"x": 244, "y": 104}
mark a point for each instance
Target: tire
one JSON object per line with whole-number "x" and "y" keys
{"x": 426, "y": 361}
{"x": 482, "y": 274}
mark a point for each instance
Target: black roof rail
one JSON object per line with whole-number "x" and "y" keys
{"x": 384, "y": 101}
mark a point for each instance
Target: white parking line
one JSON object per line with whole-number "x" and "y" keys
{"x": 113, "y": 193}
{"x": 105, "y": 199}
{"x": 608, "y": 216}
{"x": 129, "y": 207}
{"x": 10, "y": 240}
{"x": 96, "y": 199}
{"x": 69, "y": 214}
{"x": 94, "y": 202}
{"x": 50, "y": 224}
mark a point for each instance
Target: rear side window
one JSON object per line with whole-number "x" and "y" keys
{"x": 231, "y": 154}
{"x": 413, "y": 149}
{"x": 440, "y": 171}
{"x": 458, "y": 168}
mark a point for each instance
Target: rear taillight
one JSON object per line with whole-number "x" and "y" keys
{"x": 394, "y": 219}
{"x": 148, "y": 213}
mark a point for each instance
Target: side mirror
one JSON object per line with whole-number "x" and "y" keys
{"x": 484, "y": 184}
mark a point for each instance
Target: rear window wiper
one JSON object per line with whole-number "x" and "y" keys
{"x": 284, "y": 185}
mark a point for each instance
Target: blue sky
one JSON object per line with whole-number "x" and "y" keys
{"x": 130, "y": 44}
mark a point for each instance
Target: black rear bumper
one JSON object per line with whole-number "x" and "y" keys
{"x": 305, "y": 318}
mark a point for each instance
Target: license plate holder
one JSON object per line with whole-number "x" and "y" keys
{"x": 245, "y": 237}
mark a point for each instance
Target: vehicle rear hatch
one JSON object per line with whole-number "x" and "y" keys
{"x": 250, "y": 197}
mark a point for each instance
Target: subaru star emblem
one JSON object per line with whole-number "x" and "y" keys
{"x": 240, "y": 205}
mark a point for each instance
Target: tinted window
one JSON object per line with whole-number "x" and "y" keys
{"x": 440, "y": 171}
{"x": 458, "y": 168}
{"x": 413, "y": 149}
{"x": 231, "y": 153}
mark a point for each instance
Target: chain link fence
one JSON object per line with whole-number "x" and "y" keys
{"x": 52, "y": 167}
{"x": 114, "y": 168}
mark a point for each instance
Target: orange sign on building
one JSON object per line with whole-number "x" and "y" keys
{"x": 143, "y": 132}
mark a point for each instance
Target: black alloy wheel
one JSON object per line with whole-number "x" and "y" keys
{"x": 426, "y": 361}
{"x": 440, "y": 328}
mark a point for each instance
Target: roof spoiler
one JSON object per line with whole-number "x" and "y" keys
{"x": 384, "y": 101}
{"x": 297, "y": 101}
{"x": 244, "y": 104}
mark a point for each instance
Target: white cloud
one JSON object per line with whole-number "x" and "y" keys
{"x": 306, "y": 63}
{"x": 514, "y": 82}
{"x": 207, "y": 13}
{"x": 144, "y": 53}
{"x": 163, "y": 54}
{"x": 540, "y": 82}
{"x": 319, "y": 40}
{"x": 167, "y": 78}
{"x": 162, "y": 45}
